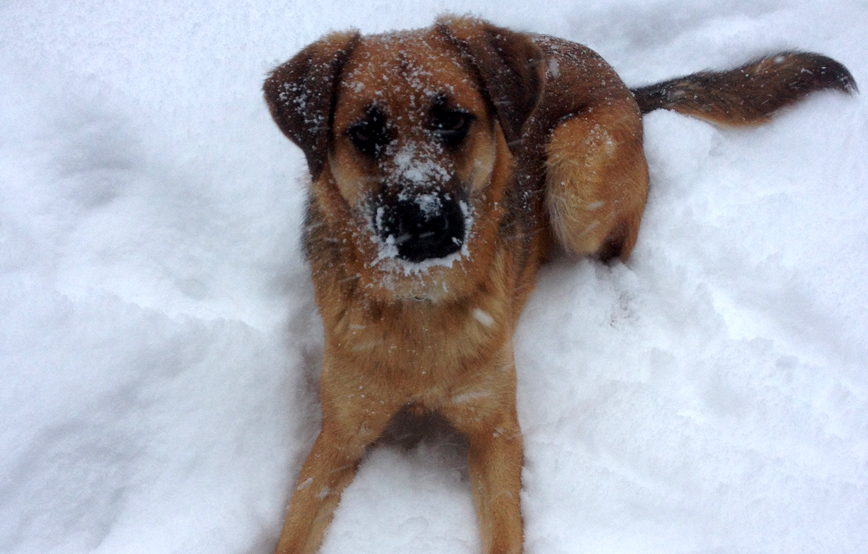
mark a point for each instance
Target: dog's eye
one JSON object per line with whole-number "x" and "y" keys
{"x": 455, "y": 122}
{"x": 362, "y": 133}
{"x": 452, "y": 126}
{"x": 370, "y": 135}
{"x": 369, "y": 138}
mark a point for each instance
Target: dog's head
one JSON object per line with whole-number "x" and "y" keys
{"x": 408, "y": 139}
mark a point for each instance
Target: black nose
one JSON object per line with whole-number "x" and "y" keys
{"x": 423, "y": 227}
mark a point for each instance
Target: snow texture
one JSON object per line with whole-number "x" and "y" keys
{"x": 159, "y": 346}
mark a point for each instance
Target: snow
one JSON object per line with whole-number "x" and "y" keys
{"x": 159, "y": 345}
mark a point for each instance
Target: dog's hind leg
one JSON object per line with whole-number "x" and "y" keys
{"x": 597, "y": 180}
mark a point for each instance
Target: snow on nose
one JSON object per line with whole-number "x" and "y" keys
{"x": 422, "y": 227}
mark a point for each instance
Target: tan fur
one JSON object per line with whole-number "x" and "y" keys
{"x": 550, "y": 152}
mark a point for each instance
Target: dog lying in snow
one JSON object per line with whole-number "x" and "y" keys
{"x": 446, "y": 165}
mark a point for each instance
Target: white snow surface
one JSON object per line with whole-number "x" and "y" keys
{"x": 159, "y": 345}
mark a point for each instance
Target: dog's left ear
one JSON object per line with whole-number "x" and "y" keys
{"x": 510, "y": 66}
{"x": 301, "y": 95}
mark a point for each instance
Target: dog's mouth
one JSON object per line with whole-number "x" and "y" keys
{"x": 422, "y": 227}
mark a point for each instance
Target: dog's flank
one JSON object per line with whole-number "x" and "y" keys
{"x": 446, "y": 164}
{"x": 749, "y": 94}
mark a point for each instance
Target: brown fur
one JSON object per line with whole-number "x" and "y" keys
{"x": 552, "y": 155}
{"x": 749, "y": 94}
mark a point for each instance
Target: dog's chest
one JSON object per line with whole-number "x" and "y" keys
{"x": 425, "y": 339}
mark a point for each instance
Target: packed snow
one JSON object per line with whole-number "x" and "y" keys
{"x": 159, "y": 345}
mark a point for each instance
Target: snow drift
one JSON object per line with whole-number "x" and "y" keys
{"x": 159, "y": 346}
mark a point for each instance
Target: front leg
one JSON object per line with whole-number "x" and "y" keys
{"x": 329, "y": 468}
{"x": 483, "y": 409}
{"x": 494, "y": 461}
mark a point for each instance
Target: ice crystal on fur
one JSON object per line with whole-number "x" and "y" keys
{"x": 418, "y": 166}
{"x": 483, "y": 317}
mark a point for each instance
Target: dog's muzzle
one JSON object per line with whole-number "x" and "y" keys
{"x": 422, "y": 227}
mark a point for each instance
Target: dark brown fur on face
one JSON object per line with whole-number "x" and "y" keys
{"x": 446, "y": 164}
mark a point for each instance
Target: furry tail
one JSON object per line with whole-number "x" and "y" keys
{"x": 750, "y": 94}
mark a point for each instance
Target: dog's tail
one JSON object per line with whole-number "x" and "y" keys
{"x": 750, "y": 94}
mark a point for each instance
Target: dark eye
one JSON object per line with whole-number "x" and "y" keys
{"x": 452, "y": 126}
{"x": 362, "y": 134}
{"x": 370, "y": 135}
{"x": 455, "y": 122}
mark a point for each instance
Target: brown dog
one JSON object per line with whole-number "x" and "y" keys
{"x": 446, "y": 163}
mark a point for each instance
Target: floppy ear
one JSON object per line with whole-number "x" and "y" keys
{"x": 509, "y": 67}
{"x": 301, "y": 95}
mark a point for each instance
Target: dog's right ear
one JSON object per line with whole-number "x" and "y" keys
{"x": 509, "y": 65}
{"x": 301, "y": 95}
